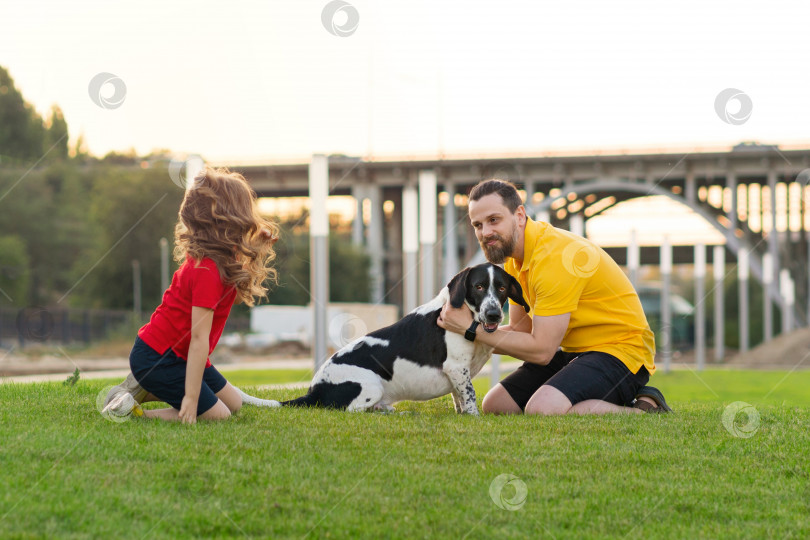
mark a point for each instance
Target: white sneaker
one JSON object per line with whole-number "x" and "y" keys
{"x": 129, "y": 386}
{"x": 122, "y": 406}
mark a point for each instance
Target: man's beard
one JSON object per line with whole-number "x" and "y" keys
{"x": 497, "y": 254}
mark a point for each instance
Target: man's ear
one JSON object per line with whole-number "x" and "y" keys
{"x": 458, "y": 288}
{"x": 520, "y": 212}
{"x": 516, "y": 293}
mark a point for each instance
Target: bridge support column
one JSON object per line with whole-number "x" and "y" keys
{"x": 789, "y": 296}
{"x": 319, "y": 254}
{"x": 375, "y": 244}
{"x": 691, "y": 186}
{"x": 773, "y": 235}
{"x": 742, "y": 277}
{"x": 410, "y": 248}
{"x": 767, "y": 303}
{"x": 427, "y": 231}
{"x": 666, "y": 311}
{"x": 358, "y": 193}
{"x": 719, "y": 269}
{"x": 731, "y": 184}
{"x": 633, "y": 258}
{"x": 576, "y": 224}
{"x": 451, "y": 265}
{"x": 700, "y": 306}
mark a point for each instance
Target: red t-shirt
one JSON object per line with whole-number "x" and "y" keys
{"x": 192, "y": 285}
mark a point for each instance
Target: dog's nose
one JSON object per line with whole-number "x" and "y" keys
{"x": 493, "y": 315}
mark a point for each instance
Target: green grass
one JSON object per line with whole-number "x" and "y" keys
{"x": 67, "y": 472}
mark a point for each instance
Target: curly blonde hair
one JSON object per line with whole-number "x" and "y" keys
{"x": 219, "y": 219}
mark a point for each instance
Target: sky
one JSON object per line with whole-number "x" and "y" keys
{"x": 249, "y": 81}
{"x": 270, "y": 81}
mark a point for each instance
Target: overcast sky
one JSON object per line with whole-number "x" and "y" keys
{"x": 266, "y": 81}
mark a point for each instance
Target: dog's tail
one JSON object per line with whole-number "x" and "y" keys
{"x": 328, "y": 395}
{"x": 309, "y": 400}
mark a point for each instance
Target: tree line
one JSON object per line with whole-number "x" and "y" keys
{"x": 71, "y": 223}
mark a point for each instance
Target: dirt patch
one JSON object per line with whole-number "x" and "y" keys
{"x": 786, "y": 351}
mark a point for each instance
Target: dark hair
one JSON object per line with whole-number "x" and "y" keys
{"x": 504, "y": 188}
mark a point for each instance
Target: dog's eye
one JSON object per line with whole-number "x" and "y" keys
{"x": 479, "y": 287}
{"x": 502, "y": 289}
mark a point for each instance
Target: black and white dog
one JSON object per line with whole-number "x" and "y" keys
{"x": 415, "y": 359}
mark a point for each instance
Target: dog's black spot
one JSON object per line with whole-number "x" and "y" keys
{"x": 415, "y": 337}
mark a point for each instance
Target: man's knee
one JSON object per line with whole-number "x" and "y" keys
{"x": 498, "y": 401}
{"x": 548, "y": 401}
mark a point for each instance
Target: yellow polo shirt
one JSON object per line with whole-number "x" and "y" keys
{"x": 565, "y": 273}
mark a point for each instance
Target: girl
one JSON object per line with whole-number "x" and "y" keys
{"x": 224, "y": 248}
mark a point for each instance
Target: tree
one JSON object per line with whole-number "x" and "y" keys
{"x": 349, "y": 268}
{"x": 130, "y": 211}
{"x": 56, "y": 135}
{"x": 13, "y": 271}
{"x": 21, "y": 130}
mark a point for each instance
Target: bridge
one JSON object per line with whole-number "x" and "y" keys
{"x": 755, "y": 195}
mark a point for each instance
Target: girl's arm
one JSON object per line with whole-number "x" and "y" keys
{"x": 201, "y": 319}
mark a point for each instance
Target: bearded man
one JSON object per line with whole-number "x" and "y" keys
{"x": 586, "y": 344}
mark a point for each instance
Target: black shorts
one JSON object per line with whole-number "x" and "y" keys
{"x": 164, "y": 376}
{"x": 580, "y": 376}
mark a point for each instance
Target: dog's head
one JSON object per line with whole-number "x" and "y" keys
{"x": 485, "y": 288}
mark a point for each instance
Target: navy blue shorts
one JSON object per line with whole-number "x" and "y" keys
{"x": 580, "y": 376}
{"x": 164, "y": 376}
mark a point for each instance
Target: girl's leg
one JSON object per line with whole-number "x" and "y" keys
{"x": 230, "y": 397}
{"x": 218, "y": 412}
{"x": 169, "y": 414}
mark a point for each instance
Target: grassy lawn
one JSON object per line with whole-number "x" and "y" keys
{"x": 67, "y": 472}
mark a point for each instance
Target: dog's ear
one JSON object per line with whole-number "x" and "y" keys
{"x": 516, "y": 293}
{"x": 458, "y": 288}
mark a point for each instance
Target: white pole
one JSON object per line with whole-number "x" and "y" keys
{"x": 633, "y": 258}
{"x": 410, "y": 248}
{"x": 719, "y": 269}
{"x": 788, "y": 291}
{"x": 450, "y": 235}
{"x": 319, "y": 254}
{"x": 767, "y": 305}
{"x": 742, "y": 276}
{"x": 700, "y": 306}
{"x": 577, "y": 224}
{"x": 666, "y": 312}
{"x": 427, "y": 231}
{"x": 164, "y": 264}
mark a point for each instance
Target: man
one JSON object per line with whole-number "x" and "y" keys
{"x": 586, "y": 343}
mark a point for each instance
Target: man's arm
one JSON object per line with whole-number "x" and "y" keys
{"x": 534, "y": 340}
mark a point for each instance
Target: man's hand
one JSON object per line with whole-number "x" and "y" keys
{"x": 188, "y": 410}
{"x": 455, "y": 320}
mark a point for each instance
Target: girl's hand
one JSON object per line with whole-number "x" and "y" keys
{"x": 188, "y": 410}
